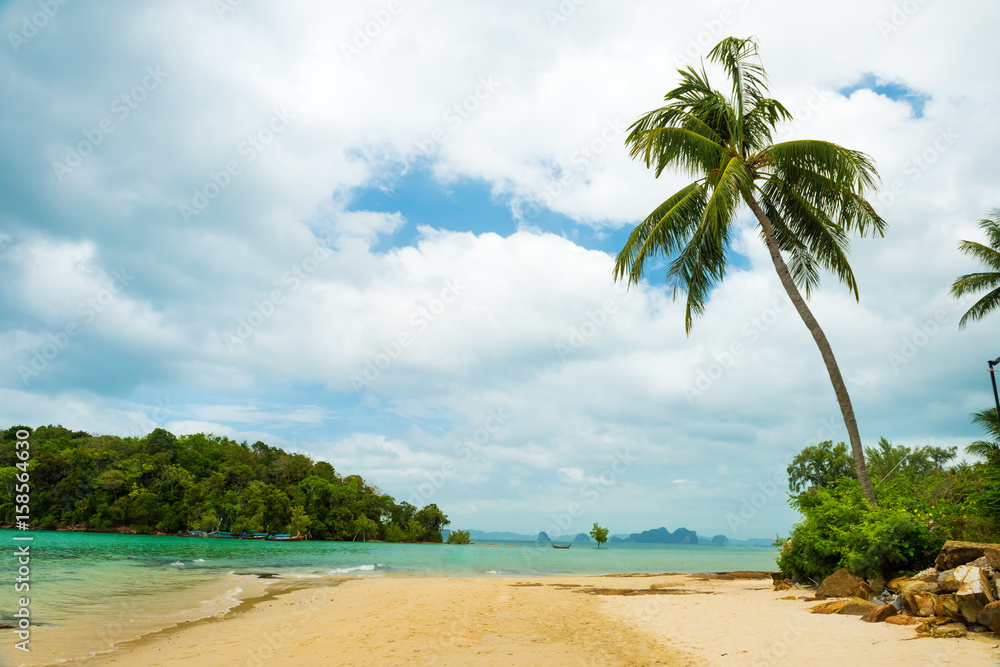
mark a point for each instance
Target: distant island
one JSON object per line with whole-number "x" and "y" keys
{"x": 653, "y": 536}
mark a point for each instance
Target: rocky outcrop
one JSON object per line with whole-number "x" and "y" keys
{"x": 843, "y": 584}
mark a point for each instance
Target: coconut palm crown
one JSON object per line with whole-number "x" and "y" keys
{"x": 807, "y": 197}
{"x": 986, "y": 281}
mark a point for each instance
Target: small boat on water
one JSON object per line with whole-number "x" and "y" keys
{"x": 286, "y": 538}
{"x": 555, "y": 546}
{"x": 221, "y": 535}
{"x": 253, "y": 536}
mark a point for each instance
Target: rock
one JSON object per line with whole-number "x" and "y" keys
{"x": 969, "y": 608}
{"x": 949, "y": 631}
{"x": 789, "y": 597}
{"x": 901, "y": 620}
{"x": 985, "y": 565}
{"x": 857, "y": 607}
{"x": 947, "y": 605}
{"x": 831, "y": 607}
{"x": 955, "y": 553}
{"x": 975, "y": 627}
{"x": 990, "y": 617}
{"x": 879, "y": 614}
{"x": 782, "y": 586}
{"x": 974, "y": 582}
{"x": 843, "y": 584}
{"x": 897, "y": 602}
{"x": 919, "y": 604}
{"x": 924, "y": 582}
{"x": 947, "y": 583}
{"x": 877, "y": 584}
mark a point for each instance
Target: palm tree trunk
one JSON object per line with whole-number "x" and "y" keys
{"x": 839, "y": 388}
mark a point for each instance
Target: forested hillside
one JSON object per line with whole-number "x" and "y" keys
{"x": 162, "y": 483}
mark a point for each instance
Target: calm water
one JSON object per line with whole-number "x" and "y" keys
{"x": 91, "y": 590}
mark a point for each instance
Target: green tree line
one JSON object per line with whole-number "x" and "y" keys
{"x": 926, "y": 495}
{"x": 163, "y": 483}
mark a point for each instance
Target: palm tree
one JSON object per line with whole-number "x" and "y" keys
{"x": 978, "y": 282}
{"x": 989, "y": 422}
{"x": 807, "y": 197}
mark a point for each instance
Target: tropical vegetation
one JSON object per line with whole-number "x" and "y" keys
{"x": 807, "y": 197}
{"x": 163, "y": 483}
{"x": 925, "y": 496}
{"x": 983, "y": 281}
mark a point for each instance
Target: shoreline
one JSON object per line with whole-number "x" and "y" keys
{"x": 638, "y": 619}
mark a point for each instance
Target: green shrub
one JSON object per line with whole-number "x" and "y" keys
{"x": 459, "y": 537}
{"x": 839, "y": 529}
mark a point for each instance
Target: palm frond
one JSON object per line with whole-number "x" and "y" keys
{"x": 663, "y": 232}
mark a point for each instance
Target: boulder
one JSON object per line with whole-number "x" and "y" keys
{"x": 877, "y": 584}
{"x": 831, "y": 607}
{"x": 955, "y": 553}
{"x": 924, "y": 582}
{"x": 974, "y": 582}
{"x": 879, "y": 614}
{"x": 782, "y": 585}
{"x": 990, "y": 617}
{"x": 919, "y": 604}
{"x": 969, "y": 608}
{"x": 843, "y": 584}
{"x": 947, "y": 605}
{"x": 901, "y": 619}
{"x": 947, "y": 583}
{"x": 949, "y": 631}
{"x": 857, "y": 607}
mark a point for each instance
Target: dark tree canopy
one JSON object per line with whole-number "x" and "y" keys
{"x": 162, "y": 483}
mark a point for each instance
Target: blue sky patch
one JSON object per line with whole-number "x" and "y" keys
{"x": 894, "y": 90}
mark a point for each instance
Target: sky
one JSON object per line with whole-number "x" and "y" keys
{"x": 382, "y": 234}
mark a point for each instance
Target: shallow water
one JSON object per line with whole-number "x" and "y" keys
{"x": 91, "y": 590}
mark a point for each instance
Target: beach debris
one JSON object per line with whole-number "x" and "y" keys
{"x": 880, "y": 613}
{"x": 843, "y": 584}
{"x": 955, "y": 553}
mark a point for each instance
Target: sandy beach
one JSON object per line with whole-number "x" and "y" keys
{"x": 682, "y": 620}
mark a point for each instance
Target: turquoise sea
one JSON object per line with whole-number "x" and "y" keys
{"x": 92, "y": 590}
